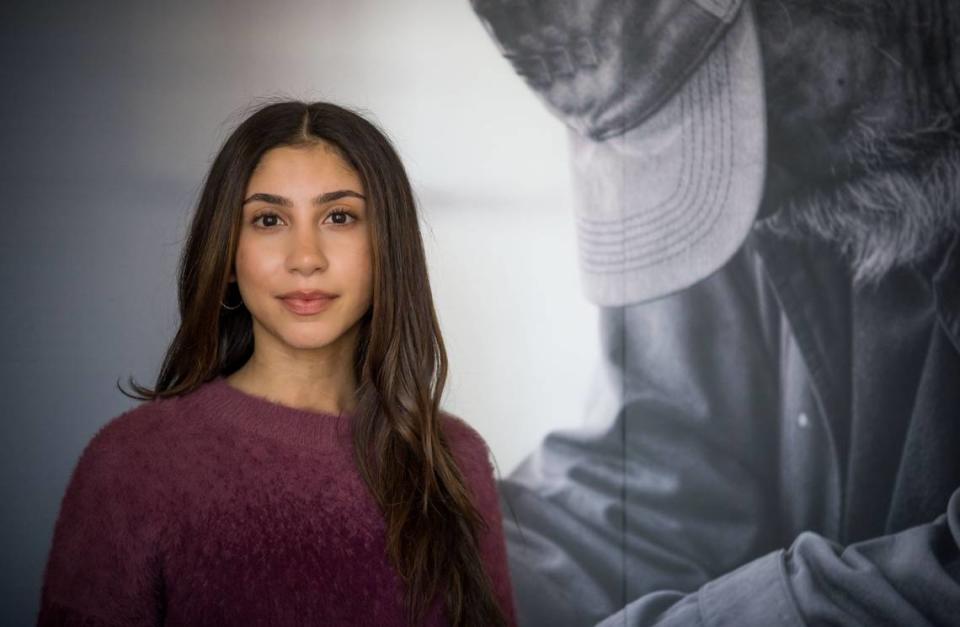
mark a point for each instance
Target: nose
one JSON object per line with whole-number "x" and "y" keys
{"x": 306, "y": 254}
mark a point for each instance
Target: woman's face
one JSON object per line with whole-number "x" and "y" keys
{"x": 305, "y": 228}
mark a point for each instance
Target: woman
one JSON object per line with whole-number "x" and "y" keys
{"x": 293, "y": 466}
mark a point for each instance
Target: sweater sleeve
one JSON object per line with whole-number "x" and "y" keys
{"x": 474, "y": 455}
{"x": 103, "y": 566}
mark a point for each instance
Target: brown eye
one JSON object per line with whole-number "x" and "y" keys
{"x": 269, "y": 219}
{"x": 340, "y": 217}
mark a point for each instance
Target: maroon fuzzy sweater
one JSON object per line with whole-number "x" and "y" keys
{"x": 222, "y": 508}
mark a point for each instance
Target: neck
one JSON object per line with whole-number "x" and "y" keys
{"x": 318, "y": 380}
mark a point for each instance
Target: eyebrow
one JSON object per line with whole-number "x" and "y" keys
{"x": 273, "y": 199}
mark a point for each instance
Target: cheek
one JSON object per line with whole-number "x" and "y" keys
{"x": 815, "y": 84}
{"x": 358, "y": 267}
{"x": 244, "y": 263}
{"x": 253, "y": 263}
{"x": 363, "y": 267}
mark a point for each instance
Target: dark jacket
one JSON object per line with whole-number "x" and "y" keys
{"x": 771, "y": 446}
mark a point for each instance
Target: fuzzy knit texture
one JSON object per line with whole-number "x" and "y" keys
{"x": 223, "y": 508}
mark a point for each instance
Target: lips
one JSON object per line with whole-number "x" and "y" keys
{"x": 307, "y": 294}
{"x": 307, "y": 306}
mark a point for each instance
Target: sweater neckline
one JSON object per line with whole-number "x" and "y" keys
{"x": 272, "y": 419}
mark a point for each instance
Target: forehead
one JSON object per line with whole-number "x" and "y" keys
{"x": 318, "y": 166}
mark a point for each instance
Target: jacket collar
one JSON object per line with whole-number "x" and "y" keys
{"x": 812, "y": 284}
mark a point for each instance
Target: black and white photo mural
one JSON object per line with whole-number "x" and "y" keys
{"x": 767, "y": 204}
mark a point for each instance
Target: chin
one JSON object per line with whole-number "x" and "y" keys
{"x": 305, "y": 340}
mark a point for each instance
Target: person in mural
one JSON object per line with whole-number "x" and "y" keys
{"x": 767, "y": 198}
{"x": 292, "y": 465}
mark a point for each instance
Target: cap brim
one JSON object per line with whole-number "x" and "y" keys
{"x": 666, "y": 203}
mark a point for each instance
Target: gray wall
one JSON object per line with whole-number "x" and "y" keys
{"x": 109, "y": 118}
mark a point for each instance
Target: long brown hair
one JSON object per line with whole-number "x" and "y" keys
{"x": 400, "y": 362}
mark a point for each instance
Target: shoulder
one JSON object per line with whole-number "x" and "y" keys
{"x": 470, "y": 450}
{"x": 128, "y": 448}
{"x": 135, "y": 430}
{"x": 456, "y": 427}
{"x": 114, "y": 519}
{"x": 462, "y": 436}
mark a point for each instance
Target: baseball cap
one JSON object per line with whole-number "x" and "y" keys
{"x": 664, "y": 106}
